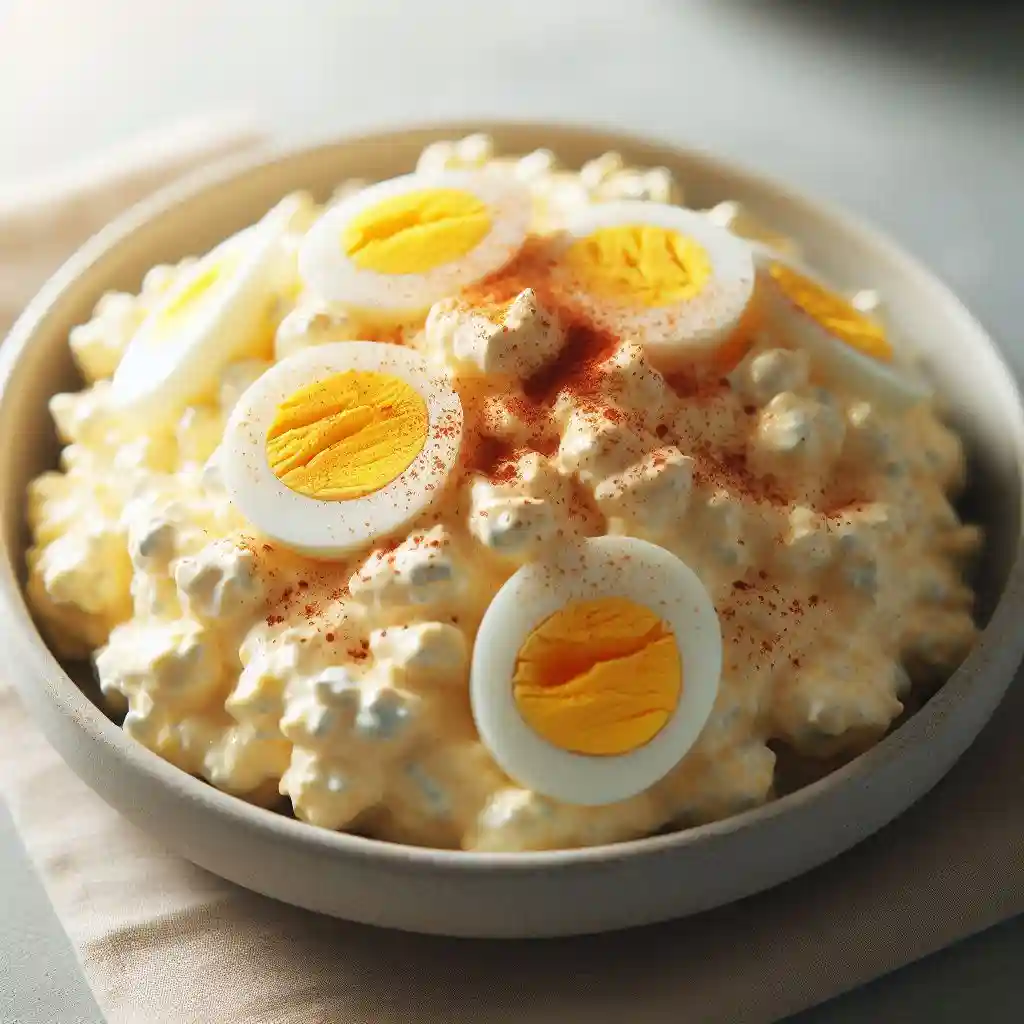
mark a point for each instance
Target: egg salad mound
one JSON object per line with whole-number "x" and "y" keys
{"x": 502, "y": 507}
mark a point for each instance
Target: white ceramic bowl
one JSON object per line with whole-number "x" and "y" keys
{"x": 517, "y": 894}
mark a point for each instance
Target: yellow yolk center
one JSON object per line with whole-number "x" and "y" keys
{"x": 347, "y": 436}
{"x": 833, "y": 313}
{"x": 599, "y": 677}
{"x": 640, "y": 264}
{"x": 416, "y": 232}
{"x": 197, "y": 290}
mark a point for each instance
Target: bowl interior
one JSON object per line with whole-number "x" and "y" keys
{"x": 977, "y": 389}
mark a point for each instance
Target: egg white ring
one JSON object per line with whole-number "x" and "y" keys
{"x": 331, "y": 274}
{"x": 893, "y": 386}
{"x": 599, "y": 567}
{"x": 159, "y": 376}
{"x": 334, "y": 528}
{"x": 677, "y": 333}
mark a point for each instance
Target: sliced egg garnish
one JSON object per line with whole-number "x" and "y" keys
{"x": 850, "y": 347}
{"x": 663, "y": 274}
{"x": 593, "y": 673}
{"x": 399, "y": 246}
{"x": 216, "y": 312}
{"x": 340, "y": 444}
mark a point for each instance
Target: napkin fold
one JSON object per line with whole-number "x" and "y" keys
{"x": 160, "y": 940}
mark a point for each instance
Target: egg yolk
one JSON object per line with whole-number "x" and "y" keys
{"x": 599, "y": 677}
{"x": 639, "y": 264}
{"x": 198, "y": 290}
{"x": 347, "y": 436}
{"x": 833, "y": 313}
{"x": 416, "y": 232}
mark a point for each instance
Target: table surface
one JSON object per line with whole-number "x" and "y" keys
{"x": 915, "y": 121}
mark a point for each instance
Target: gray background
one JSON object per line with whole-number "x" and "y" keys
{"x": 910, "y": 117}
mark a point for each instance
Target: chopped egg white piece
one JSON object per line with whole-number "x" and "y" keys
{"x": 515, "y": 342}
{"x": 735, "y": 217}
{"x": 340, "y": 444}
{"x": 595, "y": 671}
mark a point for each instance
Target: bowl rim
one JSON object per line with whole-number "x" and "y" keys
{"x": 21, "y": 632}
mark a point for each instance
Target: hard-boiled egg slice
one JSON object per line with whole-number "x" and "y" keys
{"x": 663, "y": 274}
{"x": 593, "y": 673}
{"x": 849, "y": 348}
{"x": 216, "y": 312}
{"x": 340, "y": 444}
{"x": 399, "y": 246}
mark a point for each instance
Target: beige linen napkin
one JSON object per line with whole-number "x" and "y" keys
{"x": 162, "y": 941}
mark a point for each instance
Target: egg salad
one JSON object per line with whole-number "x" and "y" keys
{"x": 502, "y": 507}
